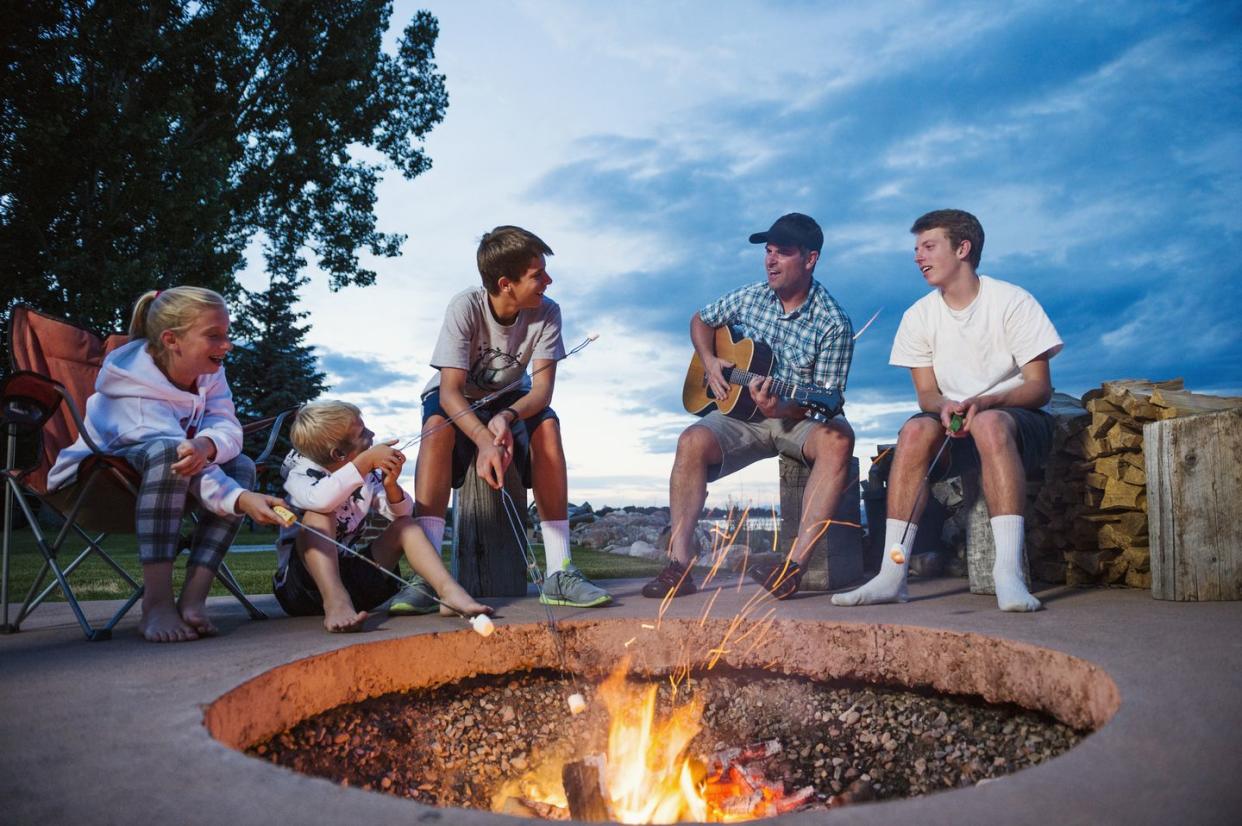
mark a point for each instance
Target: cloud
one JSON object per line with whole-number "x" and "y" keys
{"x": 361, "y": 373}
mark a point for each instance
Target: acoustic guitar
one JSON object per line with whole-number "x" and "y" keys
{"x": 751, "y": 360}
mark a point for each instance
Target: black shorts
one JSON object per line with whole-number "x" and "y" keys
{"x": 299, "y": 596}
{"x": 1034, "y": 443}
{"x": 464, "y": 449}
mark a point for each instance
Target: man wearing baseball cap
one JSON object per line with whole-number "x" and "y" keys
{"x": 812, "y": 341}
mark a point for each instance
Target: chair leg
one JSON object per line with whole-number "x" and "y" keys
{"x": 226, "y": 578}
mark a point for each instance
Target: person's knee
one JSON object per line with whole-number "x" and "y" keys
{"x": 545, "y": 440}
{"x": 920, "y": 431}
{"x": 830, "y": 443}
{"x": 994, "y": 432}
{"x": 696, "y": 444}
{"x": 161, "y": 452}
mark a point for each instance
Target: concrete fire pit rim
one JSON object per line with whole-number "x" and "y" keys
{"x": 1069, "y": 688}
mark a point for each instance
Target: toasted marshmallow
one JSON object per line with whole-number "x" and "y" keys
{"x": 577, "y": 703}
{"x": 482, "y": 625}
{"x": 897, "y": 554}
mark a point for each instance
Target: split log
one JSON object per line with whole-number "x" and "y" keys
{"x": 836, "y": 559}
{"x": 582, "y": 788}
{"x": 1194, "y": 465}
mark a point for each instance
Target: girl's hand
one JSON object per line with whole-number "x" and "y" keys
{"x": 258, "y": 506}
{"x": 193, "y": 456}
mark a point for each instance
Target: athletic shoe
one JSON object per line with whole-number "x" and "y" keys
{"x": 675, "y": 577}
{"x": 413, "y": 599}
{"x": 570, "y": 587}
{"x": 781, "y": 578}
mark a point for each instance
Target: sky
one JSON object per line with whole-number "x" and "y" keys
{"x": 1098, "y": 143}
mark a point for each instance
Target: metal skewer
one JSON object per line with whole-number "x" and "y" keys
{"x": 291, "y": 519}
{"x": 495, "y": 394}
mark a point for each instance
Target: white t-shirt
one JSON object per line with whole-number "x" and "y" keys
{"x": 980, "y": 349}
{"x": 491, "y": 353}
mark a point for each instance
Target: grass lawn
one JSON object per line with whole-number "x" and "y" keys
{"x": 95, "y": 580}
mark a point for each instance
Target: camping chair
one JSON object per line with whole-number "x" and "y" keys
{"x": 54, "y": 367}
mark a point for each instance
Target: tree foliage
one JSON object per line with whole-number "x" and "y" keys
{"x": 145, "y": 143}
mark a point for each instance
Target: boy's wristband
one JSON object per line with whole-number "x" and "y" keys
{"x": 514, "y": 412}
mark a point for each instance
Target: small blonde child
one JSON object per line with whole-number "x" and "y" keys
{"x": 335, "y": 477}
{"x": 163, "y": 404}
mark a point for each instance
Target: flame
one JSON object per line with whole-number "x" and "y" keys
{"x": 648, "y": 777}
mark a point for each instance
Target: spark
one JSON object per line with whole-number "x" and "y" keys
{"x": 868, "y": 324}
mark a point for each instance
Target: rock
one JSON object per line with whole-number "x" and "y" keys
{"x": 645, "y": 550}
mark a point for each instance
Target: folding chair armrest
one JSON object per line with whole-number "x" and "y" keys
{"x": 49, "y": 388}
{"x": 275, "y": 423}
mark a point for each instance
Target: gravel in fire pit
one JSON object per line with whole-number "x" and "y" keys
{"x": 456, "y": 745}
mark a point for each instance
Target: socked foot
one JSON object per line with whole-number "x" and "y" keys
{"x": 196, "y": 617}
{"x": 456, "y": 598}
{"x": 343, "y": 619}
{"x": 886, "y": 586}
{"x": 163, "y": 623}
{"x": 1011, "y": 594}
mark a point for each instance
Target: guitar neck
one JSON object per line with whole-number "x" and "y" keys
{"x": 784, "y": 389}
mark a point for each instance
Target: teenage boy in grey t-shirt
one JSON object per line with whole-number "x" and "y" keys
{"x": 490, "y": 335}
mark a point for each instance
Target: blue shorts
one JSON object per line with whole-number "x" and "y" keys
{"x": 464, "y": 449}
{"x": 1034, "y": 443}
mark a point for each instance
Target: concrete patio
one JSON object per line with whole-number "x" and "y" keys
{"x": 112, "y": 732}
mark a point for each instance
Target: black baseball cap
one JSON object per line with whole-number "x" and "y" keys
{"x": 795, "y": 230}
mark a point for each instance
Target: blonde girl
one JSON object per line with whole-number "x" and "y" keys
{"x": 163, "y": 404}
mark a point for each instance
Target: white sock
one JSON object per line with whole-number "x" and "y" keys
{"x": 433, "y": 527}
{"x": 555, "y": 545}
{"x": 889, "y": 585}
{"x": 1011, "y": 593}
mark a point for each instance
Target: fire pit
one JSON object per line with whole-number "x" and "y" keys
{"x": 812, "y": 715}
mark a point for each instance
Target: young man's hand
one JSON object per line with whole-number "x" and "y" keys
{"x": 491, "y": 464}
{"x": 498, "y": 426}
{"x": 715, "y": 369}
{"x": 383, "y": 456}
{"x": 258, "y": 506}
{"x": 194, "y": 455}
{"x": 966, "y": 409}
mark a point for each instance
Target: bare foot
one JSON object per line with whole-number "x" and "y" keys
{"x": 343, "y": 619}
{"x": 456, "y": 597}
{"x": 196, "y": 617}
{"x": 162, "y": 623}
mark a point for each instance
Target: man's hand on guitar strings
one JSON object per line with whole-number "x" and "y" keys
{"x": 763, "y": 397}
{"x": 715, "y": 377}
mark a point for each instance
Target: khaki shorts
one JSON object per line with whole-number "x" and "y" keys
{"x": 744, "y": 443}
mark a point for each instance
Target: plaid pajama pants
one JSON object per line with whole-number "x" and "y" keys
{"x": 162, "y": 503}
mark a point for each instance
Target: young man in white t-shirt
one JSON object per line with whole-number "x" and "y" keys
{"x": 978, "y": 348}
{"x": 490, "y": 335}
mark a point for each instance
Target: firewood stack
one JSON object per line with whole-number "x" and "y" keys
{"x": 1093, "y": 505}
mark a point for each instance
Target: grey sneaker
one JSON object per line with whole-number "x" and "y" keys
{"x": 413, "y": 599}
{"x": 570, "y": 587}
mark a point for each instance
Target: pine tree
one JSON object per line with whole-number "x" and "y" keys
{"x": 271, "y": 368}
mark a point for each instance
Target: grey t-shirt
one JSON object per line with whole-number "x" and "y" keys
{"x": 491, "y": 353}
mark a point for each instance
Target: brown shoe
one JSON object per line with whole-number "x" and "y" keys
{"x": 675, "y": 578}
{"x": 781, "y": 578}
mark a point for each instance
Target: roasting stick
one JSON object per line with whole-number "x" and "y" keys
{"x": 576, "y": 701}
{"x": 491, "y": 397}
{"x": 481, "y": 623}
{"x": 897, "y": 552}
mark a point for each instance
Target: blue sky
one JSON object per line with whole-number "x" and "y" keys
{"x": 1098, "y": 143}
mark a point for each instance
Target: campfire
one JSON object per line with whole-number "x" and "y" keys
{"x": 648, "y": 775}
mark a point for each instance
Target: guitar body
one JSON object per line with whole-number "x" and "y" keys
{"x": 746, "y": 354}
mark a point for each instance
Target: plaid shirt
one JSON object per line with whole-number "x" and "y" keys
{"x": 812, "y": 345}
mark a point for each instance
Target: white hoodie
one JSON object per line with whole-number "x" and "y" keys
{"x": 134, "y": 402}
